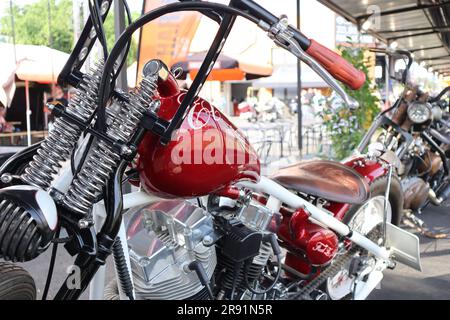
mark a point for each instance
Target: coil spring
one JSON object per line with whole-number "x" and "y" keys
{"x": 103, "y": 157}
{"x": 58, "y": 146}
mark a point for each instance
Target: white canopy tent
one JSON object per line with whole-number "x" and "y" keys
{"x": 29, "y": 63}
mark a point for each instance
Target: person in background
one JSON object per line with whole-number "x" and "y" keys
{"x": 4, "y": 126}
{"x": 235, "y": 106}
{"x": 57, "y": 96}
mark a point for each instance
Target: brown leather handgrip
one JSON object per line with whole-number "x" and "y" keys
{"x": 337, "y": 66}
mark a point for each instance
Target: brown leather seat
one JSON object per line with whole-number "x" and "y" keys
{"x": 325, "y": 179}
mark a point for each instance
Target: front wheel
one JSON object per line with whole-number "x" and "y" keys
{"x": 16, "y": 283}
{"x": 378, "y": 188}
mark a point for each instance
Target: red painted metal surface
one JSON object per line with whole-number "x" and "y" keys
{"x": 369, "y": 169}
{"x": 208, "y": 153}
{"x": 318, "y": 245}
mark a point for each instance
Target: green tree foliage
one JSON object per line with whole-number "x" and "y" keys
{"x": 110, "y": 37}
{"x": 32, "y": 26}
{"x": 346, "y": 126}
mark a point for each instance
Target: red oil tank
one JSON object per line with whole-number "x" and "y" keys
{"x": 319, "y": 245}
{"x": 205, "y": 155}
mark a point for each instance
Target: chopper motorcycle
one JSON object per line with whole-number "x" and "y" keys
{"x": 413, "y": 134}
{"x": 204, "y": 224}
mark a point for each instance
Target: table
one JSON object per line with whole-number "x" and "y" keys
{"x": 280, "y": 128}
{"x": 21, "y": 134}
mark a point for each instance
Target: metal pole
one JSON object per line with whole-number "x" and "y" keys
{"x": 76, "y": 20}
{"x": 85, "y": 4}
{"x": 386, "y": 58}
{"x": 13, "y": 31}
{"x": 387, "y": 81}
{"x": 299, "y": 92}
{"x": 119, "y": 27}
{"x": 28, "y": 111}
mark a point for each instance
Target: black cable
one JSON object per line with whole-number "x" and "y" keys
{"x": 125, "y": 54}
{"x": 275, "y": 280}
{"x": 131, "y": 175}
{"x": 199, "y": 202}
{"x": 105, "y": 88}
{"x": 97, "y": 22}
{"x": 51, "y": 267}
{"x": 273, "y": 240}
{"x": 440, "y": 95}
{"x": 123, "y": 273}
{"x": 72, "y": 159}
{"x": 202, "y": 276}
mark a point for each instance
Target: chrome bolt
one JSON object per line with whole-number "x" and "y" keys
{"x": 125, "y": 150}
{"x": 156, "y": 104}
{"x": 85, "y": 223}
{"x": 104, "y": 8}
{"x": 6, "y": 178}
{"x": 207, "y": 241}
{"x": 144, "y": 262}
{"x": 56, "y": 195}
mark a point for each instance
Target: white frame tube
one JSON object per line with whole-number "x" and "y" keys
{"x": 322, "y": 216}
{"x": 28, "y": 111}
{"x": 97, "y": 285}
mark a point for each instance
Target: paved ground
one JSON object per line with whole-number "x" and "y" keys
{"x": 401, "y": 283}
{"x": 434, "y": 282}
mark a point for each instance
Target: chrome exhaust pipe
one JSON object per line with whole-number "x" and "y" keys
{"x": 437, "y": 201}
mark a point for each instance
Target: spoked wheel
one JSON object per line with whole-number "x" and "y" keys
{"x": 16, "y": 283}
{"x": 367, "y": 219}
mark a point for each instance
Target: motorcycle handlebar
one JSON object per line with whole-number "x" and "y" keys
{"x": 337, "y": 66}
{"x": 440, "y": 95}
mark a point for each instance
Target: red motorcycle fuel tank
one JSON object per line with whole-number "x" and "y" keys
{"x": 205, "y": 155}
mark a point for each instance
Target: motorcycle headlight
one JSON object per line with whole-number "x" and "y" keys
{"x": 419, "y": 112}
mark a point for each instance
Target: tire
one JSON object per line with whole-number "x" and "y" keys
{"x": 378, "y": 188}
{"x": 16, "y": 283}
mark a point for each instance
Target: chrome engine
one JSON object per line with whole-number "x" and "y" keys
{"x": 164, "y": 238}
